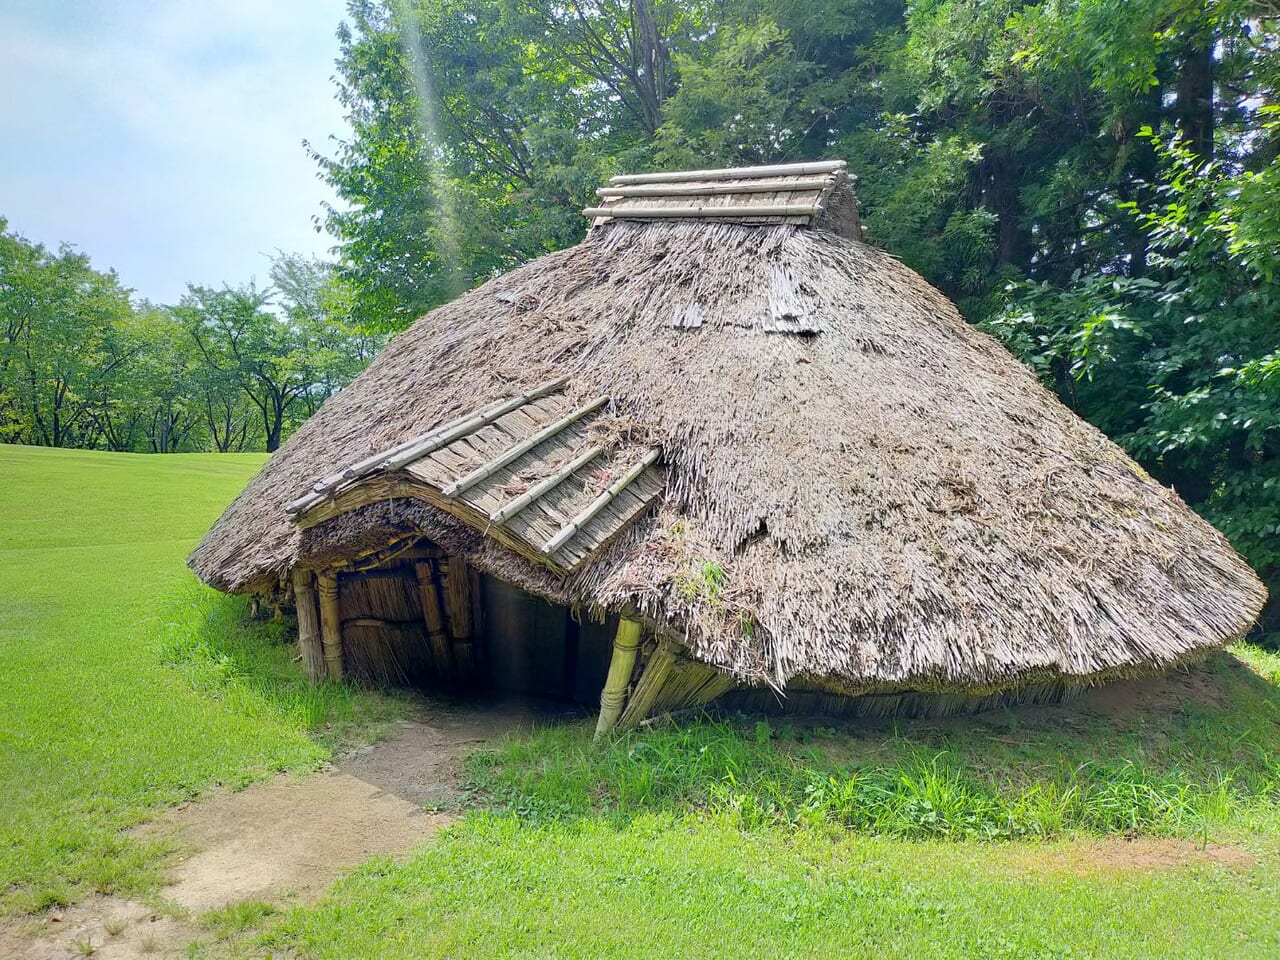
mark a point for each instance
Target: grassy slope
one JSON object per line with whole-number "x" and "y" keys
{"x": 725, "y": 840}
{"x": 756, "y": 839}
{"x": 126, "y": 689}
{"x": 96, "y": 729}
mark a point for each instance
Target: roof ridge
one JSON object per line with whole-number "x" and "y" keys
{"x": 809, "y": 194}
{"x": 732, "y": 173}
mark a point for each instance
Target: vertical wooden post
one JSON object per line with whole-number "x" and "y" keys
{"x": 652, "y": 680}
{"x": 304, "y": 596}
{"x": 330, "y": 623}
{"x": 457, "y": 605}
{"x": 625, "y": 645}
{"x": 433, "y": 617}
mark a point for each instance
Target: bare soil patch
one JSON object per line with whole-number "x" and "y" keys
{"x": 1104, "y": 856}
{"x": 116, "y": 929}
{"x": 1162, "y": 693}
{"x": 286, "y": 839}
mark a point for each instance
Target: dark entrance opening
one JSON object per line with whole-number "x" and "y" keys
{"x": 427, "y": 621}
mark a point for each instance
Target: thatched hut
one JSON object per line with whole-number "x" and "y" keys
{"x": 722, "y": 445}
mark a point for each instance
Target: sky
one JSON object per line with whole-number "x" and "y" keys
{"x": 164, "y": 139}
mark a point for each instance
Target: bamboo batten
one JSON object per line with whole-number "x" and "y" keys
{"x": 330, "y": 623}
{"x": 433, "y": 617}
{"x": 715, "y": 188}
{"x": 625, "y": 646}
{"x": 572, "y": 528}
{"x": 700, "y": 211}
{"x": 470, "y": 425}
{"x": 732, "y": 173}
{"x": 520, "y": 449}
{"x": 406, "y": 452}
{"x": 541, "y": 489}
{"x": 312, "y": 650}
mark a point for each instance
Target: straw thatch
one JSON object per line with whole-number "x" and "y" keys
{"x": 891, "y": 503}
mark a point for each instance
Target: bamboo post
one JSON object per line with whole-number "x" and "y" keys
{"x": 652, "y": 680}
{"x": 433, "y": 617}
{"x": 626, "y": 643}
{"x": 304, "y": 596}
{"x": 457, "y": 607}
{"x": 330, "y": 623}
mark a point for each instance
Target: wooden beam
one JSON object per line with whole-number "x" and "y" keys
{"x": 716, "y": 189}
{"x": 570, "y": 530}
{"x": 652, "y": 680}
{"x": 626, "y": 643}
{"x": 700, "y": 211}
{"x": 304, "y": 597}
{"x": 731, "y": 173}
{"x": 433, "y": 617}
{"x": 330, "y": 623}
{"x": 457, "y": 606}
{"x": 518, "y": 450}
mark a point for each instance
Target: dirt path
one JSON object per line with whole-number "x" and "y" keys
{"x": 283, "y": 840}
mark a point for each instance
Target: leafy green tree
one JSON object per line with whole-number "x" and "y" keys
{"x": 331, "y": 348}
{"x": 240, "y": 339}
{"x": 1182, "y": 365}
{"x": 60, "y": 320}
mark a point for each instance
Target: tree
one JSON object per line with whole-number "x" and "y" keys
{"x": 61, "y": 324}
{"x": 240, "y": 339}
{"x": 331, "y": 348}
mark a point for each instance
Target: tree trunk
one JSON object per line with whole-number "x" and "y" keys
{"x": 1194, "y": 105}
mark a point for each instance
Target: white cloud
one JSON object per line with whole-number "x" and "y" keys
{"x": 165, "y": 139}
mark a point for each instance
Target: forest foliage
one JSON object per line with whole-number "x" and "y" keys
{"x": 1092, "y": 181}
{"x": 1095, "y": 182}
{"x": 226, "y": 369}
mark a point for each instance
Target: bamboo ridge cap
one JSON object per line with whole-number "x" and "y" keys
{"x": 697, "y": 212}
{"x": 715, "y": 188}
{"x": 731, "y": 173}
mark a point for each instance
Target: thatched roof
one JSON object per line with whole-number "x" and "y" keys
{"x": 890, "y": 502}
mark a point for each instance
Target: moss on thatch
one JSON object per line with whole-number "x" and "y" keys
{"x": 891, "y": 503}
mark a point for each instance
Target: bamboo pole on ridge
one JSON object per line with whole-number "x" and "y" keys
{"x": 626, "y": 643}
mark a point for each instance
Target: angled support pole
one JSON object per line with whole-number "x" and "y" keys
{"x": 626, "y": 644}
{"x": 652, "y": 679}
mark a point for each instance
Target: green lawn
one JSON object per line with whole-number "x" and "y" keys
{"x": 1084, "y": 831}
{"x": 96, "y": 728}
{"x": 128, "y": 687}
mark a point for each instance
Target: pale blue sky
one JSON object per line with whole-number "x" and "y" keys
{"x": 164, "y": 139}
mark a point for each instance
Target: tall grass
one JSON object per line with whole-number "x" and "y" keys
{"x": 752, "y": 780}
{"x": 217, "y": 648}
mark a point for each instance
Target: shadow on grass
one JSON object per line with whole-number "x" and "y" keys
{"x": 214, "y": 642}
{"x": 1177, "y": 755}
